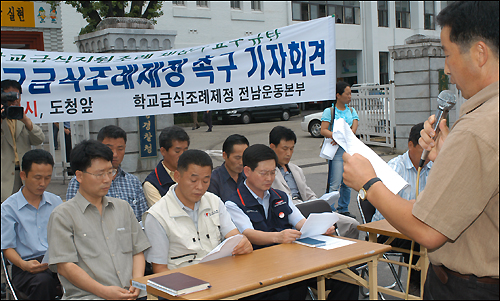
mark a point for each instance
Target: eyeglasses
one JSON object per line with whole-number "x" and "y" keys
{"x": 266, "y": 173}
{"x": 100, "y": 176}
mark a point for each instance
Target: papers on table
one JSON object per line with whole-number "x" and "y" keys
{"x": 318, "y": 223}
{"x": 330, "y": 197}
{"x": 333, "y": 242}
{"x": 344, "y": 136}
{"x": 224, "y": 249}
{"x": 324, "y": 242}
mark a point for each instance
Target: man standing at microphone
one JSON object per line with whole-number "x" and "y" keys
{"x": 456, "y": 216}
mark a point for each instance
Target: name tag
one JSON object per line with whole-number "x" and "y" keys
{"x": 279, "y": 203}
{"x": 211, "y": 213}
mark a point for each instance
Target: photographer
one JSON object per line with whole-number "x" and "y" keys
{"x": 19, "y": 133}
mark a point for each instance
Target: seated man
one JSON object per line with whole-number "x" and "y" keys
{"x": 124, "y": 186}
{"x": 25, "y": 215}
{"x": 188, "y": 222}
{"x": 226, "y": 178}
{"x": 173, "y": 142}
{"x": 96, "y": 243}
{"x": 268, "y": 216}
{"x": 406, "y": 166}
{"x": 290, "y": 178}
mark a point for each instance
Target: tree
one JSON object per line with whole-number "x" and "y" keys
{"x": 95, "y": 11}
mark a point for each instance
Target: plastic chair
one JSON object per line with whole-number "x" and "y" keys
{"x": 10, "y": 290}
{"x": 367, "y": 210}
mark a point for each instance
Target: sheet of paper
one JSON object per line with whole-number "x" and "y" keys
{"x": 46, "y": 257}
{"x": 328, "y": 150}
{"x": 344, "y": 136}
{"x": 333, "y": 242}
{"x": 224, "y": 249}
{"x": 331, "y": 197}
{"x": 318, "y": 223}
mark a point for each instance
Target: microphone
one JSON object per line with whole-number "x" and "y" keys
{"x": 446, "y": 101}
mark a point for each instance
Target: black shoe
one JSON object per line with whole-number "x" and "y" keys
{"x": 198, "y": 126}
{"x": 347, "y": 213}
{"x": 209, "y": 130}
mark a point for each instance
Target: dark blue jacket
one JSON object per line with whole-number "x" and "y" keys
{"x": 160, "y": 179}
{"x": 278, "y": 212}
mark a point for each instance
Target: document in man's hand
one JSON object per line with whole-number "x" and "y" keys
{"x": 224, "y": 249}
{"x": 177, "y": 284}
{"x": 318, "y": 223}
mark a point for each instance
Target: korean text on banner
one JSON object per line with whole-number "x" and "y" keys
{"x": 286, "y": 65}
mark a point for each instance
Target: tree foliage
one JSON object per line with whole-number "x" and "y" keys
{"x": 95, "y": 11}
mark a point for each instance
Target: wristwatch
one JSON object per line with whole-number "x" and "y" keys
{"x": 362, "y": 192}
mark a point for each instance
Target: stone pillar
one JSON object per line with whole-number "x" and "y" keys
{"x": 416, "y": 74}
{"x": 124, "y": 34}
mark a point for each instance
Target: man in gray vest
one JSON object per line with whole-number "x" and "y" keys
{"x": 187, "y": 207}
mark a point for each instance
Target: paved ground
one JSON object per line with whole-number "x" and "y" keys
{"x": 306, "y": 155}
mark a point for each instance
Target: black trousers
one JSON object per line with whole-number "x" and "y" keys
{"x": 40, "y": 286}
{"x": 457, "y": 288}
{"x": 207, "y": 118}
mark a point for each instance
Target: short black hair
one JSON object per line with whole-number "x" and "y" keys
{"x": 415, "y": 133}
{"x": 340, "y": 87}
{"x": 279, "y": 133}
{"x": 231, "y": 141}
{"x": 111, "y": 131}
{"x": 38, "y": 156}
{"x": 10, "y": 83}
{"x": 196, "y": 157}
{"x": 170, "y": 134}
{"x": 258, "y": 153}
{"x": 83, "y": 153}
{"x": 471, "y": 21}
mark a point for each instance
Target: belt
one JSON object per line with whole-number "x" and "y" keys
{"x": 442, "y": 273}
{"x": 17, "y": 167}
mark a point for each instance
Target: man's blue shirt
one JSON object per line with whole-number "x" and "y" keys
{"x": 404, "y": 167}
{"x": 222, "y": 184}
{"x": 125, "y": 186}
{"x": 24, "y": 228}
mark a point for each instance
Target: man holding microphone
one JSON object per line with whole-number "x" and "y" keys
{"x": 456, "y": 216}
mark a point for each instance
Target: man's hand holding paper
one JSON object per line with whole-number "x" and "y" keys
{"x": 366, "y": 164}
{"x": 319, "y": 223}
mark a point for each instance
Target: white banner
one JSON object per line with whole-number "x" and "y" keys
{"x": 286, "y": 65}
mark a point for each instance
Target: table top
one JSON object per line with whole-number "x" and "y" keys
{"x": 382, "y": 227}
{"x": 234, "y": 275}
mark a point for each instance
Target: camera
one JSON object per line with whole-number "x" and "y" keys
{"x": 11, "y": 112}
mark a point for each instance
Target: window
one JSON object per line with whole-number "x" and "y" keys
{"x": 202, "y": 3}
{"x": 345, "y": 11}
{"x": 256, "y": 6}
{"x": 429, "y": 15}
{"x": 383, "y": 60}
{"x": 383, "y": 14}
{"x": 236, "y": 4}
{"x": 402, "y": 14}
{"x": 179, "y": 3}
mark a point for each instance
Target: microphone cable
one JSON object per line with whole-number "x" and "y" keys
{"x": 412, "y": 241}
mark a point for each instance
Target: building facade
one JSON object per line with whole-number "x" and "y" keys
{"x": 364, "y": 29}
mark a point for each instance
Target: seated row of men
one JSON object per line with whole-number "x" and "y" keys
{"x": 96, "y": 242}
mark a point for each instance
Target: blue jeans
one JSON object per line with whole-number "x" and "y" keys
{"x": 336, "y": 183}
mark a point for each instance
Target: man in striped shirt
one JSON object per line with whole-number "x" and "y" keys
{"x": 124, "y": 186}
{"x": 406, "y": 166}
